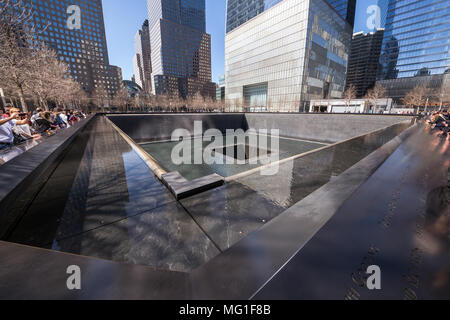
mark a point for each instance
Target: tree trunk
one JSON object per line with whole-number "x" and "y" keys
{"x": 22, "y": 100}
{"x": 43, "y": 103}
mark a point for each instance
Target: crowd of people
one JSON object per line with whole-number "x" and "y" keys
{"x": 17, "y": 127}
{"x": 440, "y": 121}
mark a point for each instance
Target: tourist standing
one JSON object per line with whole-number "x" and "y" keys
{"x": 6, "y": 129}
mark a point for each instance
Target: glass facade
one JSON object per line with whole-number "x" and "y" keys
{"x": 416, "y": 40}
{"x": 255, "y": 95}
{"x": 382, "y": 5}
{"x": 240, "y": 11}
{"x": 192, "y": 14}
{"x": 220, "y": 90}
{"x": 189, "y": 13}
{"x": 180, "y": 48}
{"x": 84, "y": 50}
{"x": 327, "y": 53}
{"x": 294, "y": 52}
{"x": 345, "y": 8}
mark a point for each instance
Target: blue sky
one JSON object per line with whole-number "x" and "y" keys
{"x": 124, "y": 18}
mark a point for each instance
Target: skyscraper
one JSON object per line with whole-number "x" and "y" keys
{"x": 181, "y": 48}
{"x": 363, "y": 61}
{"x": 83, "y": 49}
{"x": 142, "y": 63}
{"x": 416, "y": 47}
{"x": 240, "y": 11}
{"x": 345, "y": 8}
{"x": 292, "y": 52}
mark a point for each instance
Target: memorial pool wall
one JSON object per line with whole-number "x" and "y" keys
{"x": 329, "y": 128}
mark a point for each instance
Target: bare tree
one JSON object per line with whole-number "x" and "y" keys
{"x": 121, "y": 99}
{"x": 437, "y": 97}
{"x": 349, "y": 95}
{"x": 374, "y": 95}
{"x": 100, "y": 97}
{"x": 222, "y": 106}
{"x": 237, "y": 105}
{"x": 173, "y": 103}
{"x": 178, "y": 103}
{"x": 148, "y": 101}
{"x": 50, "y": 77}
{"x": 137, "y": 102}
{"x": 78, "y": 97}
{"x": 209, "y": 104}
{"x": 198, "y": 102}
{"x": 27, "y": 65}
{"x": 219, "y": 105}
{"x": 18, "y": 42}
{"x": 417, "y": 97}
{"x": 163, "y": 101}
{"x": 227, "y": 105}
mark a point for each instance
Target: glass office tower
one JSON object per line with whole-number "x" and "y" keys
{"x": 382, "y": 4}
{"x": 180, "y": 48}
{"x": 84, "y": 50}
{"x": 345, "y": 8}
{"x": 417, "y": 39}
{"x": 416, "y": 45}
{"x": 240, "y": 11}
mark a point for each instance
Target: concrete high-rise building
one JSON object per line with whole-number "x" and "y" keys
{"x": 288, "y": 54}
{"x": 180, "y": 48}
{"x": 240, "y": 11}
{"x": 142, "y": 63}
{"x": 115, "y": 75}
{"x": 82, "y": 47}
{"x": 416, "y": 48}
{"x": 363, "y": 61}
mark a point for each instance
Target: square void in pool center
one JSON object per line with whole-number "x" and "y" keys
{"x": 242, "y": 152}
{"x": 239, "y": 150}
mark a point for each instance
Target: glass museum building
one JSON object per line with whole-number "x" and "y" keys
{"x": 281, "y": 54}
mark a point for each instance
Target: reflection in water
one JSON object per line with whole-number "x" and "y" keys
{"x": 9, "y": 154}
{"x": 279, "y": 189}
{"x": 99, "y": 193}
{"x": 118, "y": 210}
{"x": 412, "y": 252}
{"x": 103, "y": 201}
{"x": 162, "y": 153}
{"x": 437, "y": 223}
{"x": 302, "y": 176}
{"x": 232, "y": 212}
